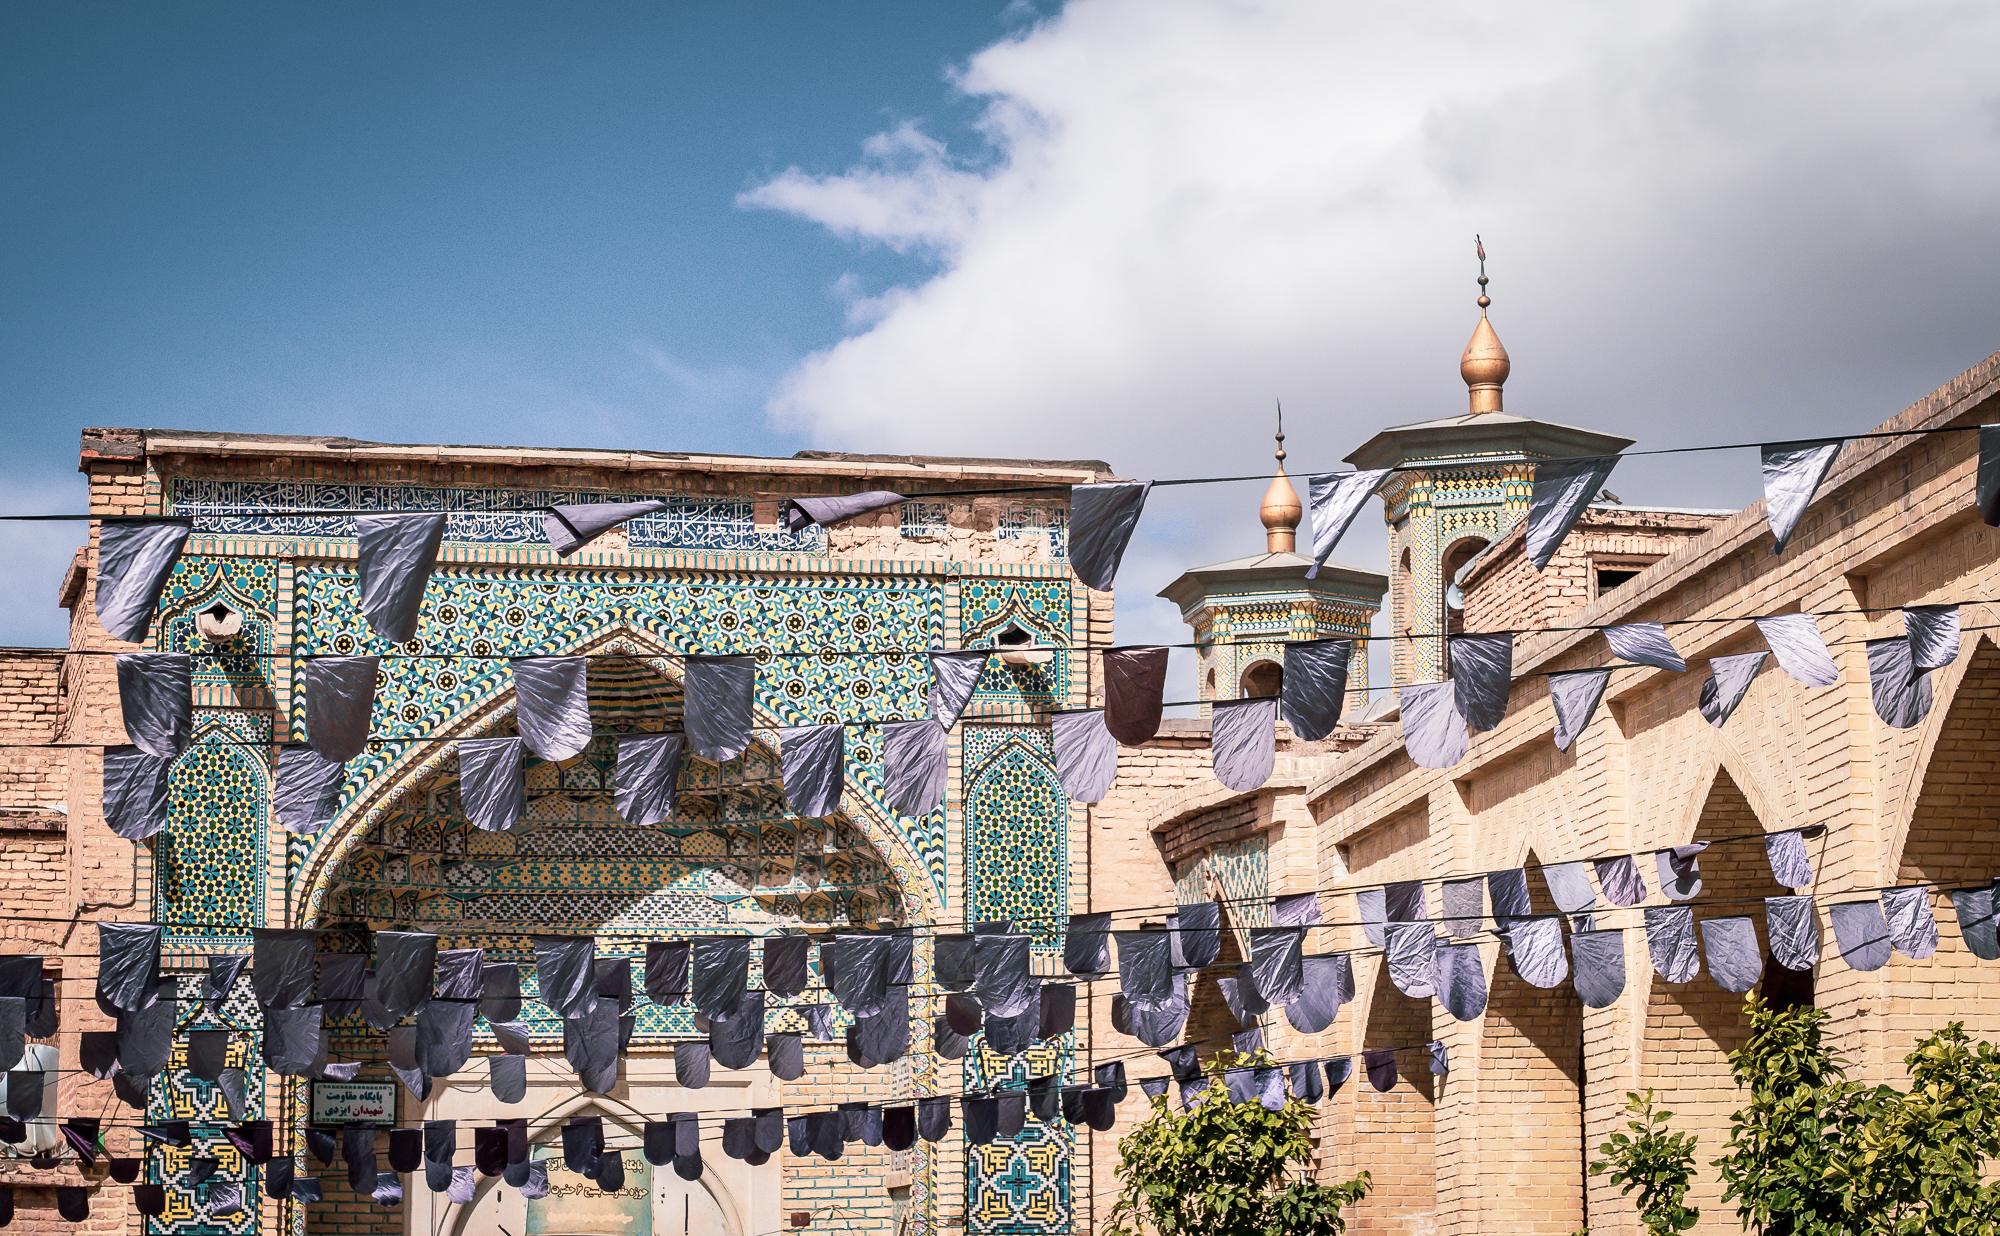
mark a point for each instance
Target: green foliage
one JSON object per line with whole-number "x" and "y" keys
{"x": 1659, "y": 1164}
{"x": 1799, "y": 1123}
{"x": 1918, "y": 1157}
{"x": 1227, "y": 1169}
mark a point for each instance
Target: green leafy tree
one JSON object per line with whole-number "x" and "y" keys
{"x": 1227, "y": 1169}
{"x": 1657, "y": 1163}
{"x": 1799, "y": 1124}
{"x": 1918, "y": 1158}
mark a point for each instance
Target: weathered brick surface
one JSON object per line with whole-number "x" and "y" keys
{"x": 1538, "y": 1082}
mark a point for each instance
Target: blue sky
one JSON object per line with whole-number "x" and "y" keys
{"x": 486, "y": 223}
{"x": 1074, "y": 228}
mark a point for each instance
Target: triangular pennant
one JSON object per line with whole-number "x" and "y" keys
{"x": 397, "y": 554}
{"x": 1135, "y": 681}
{"x": 156, "y": 699}
{"x": 1314, "y": 689}
{"x": 1086, "y": 754}
{"x": 1644, "y": 643}
{"x": 1101, "y": 519}
{"x": 1801, "y": 650}
{"x": 1335, "y": 499}
{"x": 803, "y": 513}
{"x": 1434, "y": 732}
{"x": 1792, "y": 474}
{"x": 492, "y": 786}
{"x": 134, "y": 558}
{"x": 1575, "y": 694}
{"x": 552, "y": 705}
{"x": 1563, "y": 489}
{"x": 645, "y": 779}
{"x": 1244, "y": 742}
{"x": 1727, "y": 683}
{"x": 1482, "y": 668}
{"x": 570, "y": 528}
{"x": 916, "y": 759}
{"x": 815, "y": 761}
{"x": 340, "y": 695}
{"x": 954, "y": 675}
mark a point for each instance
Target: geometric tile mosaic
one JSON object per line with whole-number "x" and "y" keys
{"x": 208, "y": 862}
{"x": 1019, "y": 1186}
{"x": 1016, "y": 831}
{"x": 178, "y": 1095}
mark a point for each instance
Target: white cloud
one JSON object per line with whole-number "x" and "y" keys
{"x": 1707, "y": 221}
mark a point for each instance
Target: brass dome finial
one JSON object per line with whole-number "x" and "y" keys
{"x": 1281, "y": 511}
{"x": 1484, "y": 365}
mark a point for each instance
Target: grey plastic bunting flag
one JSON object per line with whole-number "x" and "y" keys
{"x": 1563, "y": 489}
{"x": 1735, "y": 961}
{"x": 785, "y": 969}
{"x": 721, "y": 975}
{"x": 1335, "y": 498}
{"x": 307, "y": 793}
{"x": 397, "y": 553}
{"x": 1412, "y": 958}
{"x": 492, "y": 786}
{"x": 552, "y": 705}
{"x": 1239, "y": 992}
{"x": 1912, "y": 926}
{"x": 1569, "y": 887}
{"x": 569, "y": 528}
{"x": 1244, "y": 742}
{"x": 1460, "y": 981}
{"x": 1403, "y": 902}
{"x": 1644, "y": 643}
{"x": 1536, "y": 945}
{"x": 1464, "y": 906}
{"x": 1372, "y": 910}
{"x": 787, "y": 1057}
{"x": 1900, "y": 691}
{"x": 340, "y": 696}
{"x": 1314, "y": 687}
{"x": 134, "y": 791}
{"x": 134, "y": 558}
{"x": 1135, "y": 682}
{"x": 856, "y": 968}
{"x": 405, "y": 962}
{"x": 1277, "y": 962}
{"x": 1434, "y": 733}
{"x": 1101, "y": 519}
{"x": 1976, "y": 924}
{"x": 717, "y": 708}
{"x": 815, "y": 760}
{"x": 916, "y": 759}
{"x": 1328, "y": 984}
{"x": 1792, "y": 474}
{"x": 1679, "y": 870}
{"x": 156, "y": 700}
{"x": 1087, "y": 944}
{"x": 735, "y": 1041}
{"x": 1987, "y": 486}
{"x": 1793, "y": 926}
{"x": 507, "y": 1077}
{"x": 282, "y": 966}
{"x": 1006, "y": 984}
{"x": 1508, "y": 891}
{"x": 566, "y": 973}
{"x": 691, "y": 1067}
{"x": 1728, "y": 681}
{"x": 1933, "y": 633}
{"x": 954, "y": 675}
{"x": 128, "y": 962}
{"x": 1620, "y": 879}
{"x": 1380, "y": 1063}
{"x": 1575, "y": 694}
{"x": 646, "y": 777}
{"x": 1293, "y": 910}
{"x": 1786, "y": 852}
{"x": 1800, "y": 649}
{"x": 1862, "y": 934}
{"x": 1482, "y": 668}
{"x": 803, "y": 513}
{"x": 1197, "y": 930}
{"x": 1600, "y": 966}
{"x": 1086, "y": 754}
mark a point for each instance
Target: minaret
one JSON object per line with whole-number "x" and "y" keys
{"x": 1246, "y": 610}
{"x": 1281, "y": 511}
{"x": 1460, "y": 483}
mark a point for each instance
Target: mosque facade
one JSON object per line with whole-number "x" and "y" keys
{"x": 840, "y": 622}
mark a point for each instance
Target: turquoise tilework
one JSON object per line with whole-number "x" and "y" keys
{"x": 208, "y": 862}
{"x": 1019, "y": 1186}
{"x": 1016, "y": 830}
{"x": 177, "y": 1095}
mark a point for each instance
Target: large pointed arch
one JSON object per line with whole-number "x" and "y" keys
{"x": 316, "y": 861}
